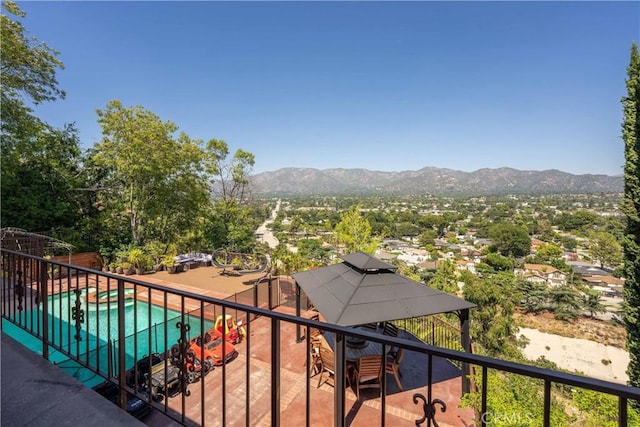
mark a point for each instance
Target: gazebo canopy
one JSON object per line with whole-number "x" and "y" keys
{"x": 362, "y": 289}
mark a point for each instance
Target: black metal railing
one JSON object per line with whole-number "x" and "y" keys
{"x": 152, "y": 340}
{"x": 433, "y": 330}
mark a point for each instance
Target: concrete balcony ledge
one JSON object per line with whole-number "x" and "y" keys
{"x": 38, "y": 393}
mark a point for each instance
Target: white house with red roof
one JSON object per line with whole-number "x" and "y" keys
{"x": 541, "y": 273}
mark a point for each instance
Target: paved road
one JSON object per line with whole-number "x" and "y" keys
{"x": 265, "y": 233}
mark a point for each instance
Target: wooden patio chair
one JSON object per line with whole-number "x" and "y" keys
{"x": 368, "y": 373}
{"x": 393, "y": 365}
{"x": 371, "y": 326}
{"x": 315, "y": 342}
{"x": 390, "y": 329}
{"x": 327, "y": 367}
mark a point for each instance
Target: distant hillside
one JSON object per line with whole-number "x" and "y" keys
{"x": 430, "y": 180}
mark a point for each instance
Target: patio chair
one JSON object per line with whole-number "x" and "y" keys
{"x": 393, "y": 365}
{"x": 327, "y": 366}
{"x": 315, "y": 342}
{"x": 368, "y": 373}
{"x": 371, "y": 326}
{"x": 315, "y": 363}
{"x": 390, "y": 329}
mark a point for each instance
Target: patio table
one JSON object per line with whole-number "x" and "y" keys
{"x": 354, "y": 353}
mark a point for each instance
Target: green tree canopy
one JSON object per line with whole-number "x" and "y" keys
{"x": 631, "y": 209}
{"x": 499, "y": 262}
{"x": 353, "y": 233}
{"x": 28, "y": 74}
{"x": 40, "y": 165}
{"x": 510, "y": 239}
{"x": 604, "y": 247}
{"x": 445, "y": 278}
{"x": 492, "y": 323}
{"x": 154, "y": 178}
{"x": 229, "y": 180}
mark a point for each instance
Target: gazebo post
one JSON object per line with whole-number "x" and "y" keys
{"x": 465, "y": 338}
{"x": 299, "y": 337}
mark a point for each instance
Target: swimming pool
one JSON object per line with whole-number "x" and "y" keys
{"x": 145, "y": 327}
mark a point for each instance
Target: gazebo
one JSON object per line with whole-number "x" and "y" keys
{"x": 363, "y": 289}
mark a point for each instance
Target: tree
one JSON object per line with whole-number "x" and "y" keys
{"x": 499, "y": 262}
{"x": 548, "y": 253}
{"x": 605, "y": 248}
{"x": 40, "y": 195}
{"x": 28, "y": 74}
{"x": 312, "y": 249}
{"x": 40, "y": 165}
{"x": 534, "y": 295}
{"x": 353, "y": 233}
{"x": 592, "y": 301}
{"x": 445, "y": 278}
{"x": 154, "y": 178}
{"x": 569, "y": 243}
{"x": 230, "y": 183}
{"x": 510, "y": 239}
{"x": 492, "y": 320}
{"x": 565, "y": 302}
{"x": 631, "y": 208}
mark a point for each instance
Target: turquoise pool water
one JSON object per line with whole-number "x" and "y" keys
{"x": 145, "y": 328}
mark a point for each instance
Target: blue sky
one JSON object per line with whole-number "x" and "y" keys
{"x": 377, "y": 85}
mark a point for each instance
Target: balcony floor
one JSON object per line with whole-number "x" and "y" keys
{"x": 37, "y": 393}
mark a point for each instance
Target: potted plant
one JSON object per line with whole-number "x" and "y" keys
{"x": 138, "y": 258}
{"x": 169, "y": 262}
{"x": 112, "y": 266}
{"x": 155, "y": 250}
{"x": 127, "y": 268}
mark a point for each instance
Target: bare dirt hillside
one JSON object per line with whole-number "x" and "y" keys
{"x": 601, "y": 331}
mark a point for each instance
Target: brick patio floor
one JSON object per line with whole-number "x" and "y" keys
{"x": 400, "y": 409}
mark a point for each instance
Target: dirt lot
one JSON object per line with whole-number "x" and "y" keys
{"x": 601, "y": 331}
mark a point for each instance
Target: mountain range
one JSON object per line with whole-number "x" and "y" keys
{"x": 429, "y": 180}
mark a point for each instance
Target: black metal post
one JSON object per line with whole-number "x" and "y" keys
{"x": 44, "y": 300}
{"x": 121, "y": 346}
{"x": 466, "y": 345}
{"x": 299, "y": 337}
{"x": 339, "y": 382}
{"x": 275, "y": 372}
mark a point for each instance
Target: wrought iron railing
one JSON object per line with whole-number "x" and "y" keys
{"x": 433, "y": 330}
{"x": 142, "y": 337}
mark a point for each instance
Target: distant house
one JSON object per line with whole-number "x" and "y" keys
{"x": 414, "y": 256}
{"x": 385, "y": 256}
{"x": 535, "y": 244}
{"x": 482, "y": 242}
{"x": 541, "y": 273}
{"x": 469, "y": 265}
{"x": 429, "y": 265}
{"x": 607, "y": 285}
